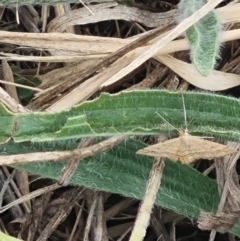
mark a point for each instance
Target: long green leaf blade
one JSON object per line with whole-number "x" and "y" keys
{"x": 129, "y": 113}
{"x": 123, "y": 172}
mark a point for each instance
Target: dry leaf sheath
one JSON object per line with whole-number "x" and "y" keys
{"x": 187, "y": 148}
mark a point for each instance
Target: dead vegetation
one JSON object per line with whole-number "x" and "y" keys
{"x": 62, "y": 55}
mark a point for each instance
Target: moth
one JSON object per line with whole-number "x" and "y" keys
{"x": 187, "y": 148}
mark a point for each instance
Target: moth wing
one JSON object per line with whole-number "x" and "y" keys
{"x": 199, "y": 148}
{"x": 187, "y": 149}
{"x": 168, "y": 149}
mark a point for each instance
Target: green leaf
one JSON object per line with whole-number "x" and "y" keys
{"x": 204, "y": 36}
{"x": 128, "y": 113}
{"x": 120, "y": 170}
{"x": 25, "y": 95}
{"x": 5, "y": 237}
{"x": 123, "y": 172}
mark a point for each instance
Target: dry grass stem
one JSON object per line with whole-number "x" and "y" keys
{"x": 19, "y": 85}
{"x": 71, "y": 167}
{"x": 62, "y": 155}
{"x": 30, "y": 196}
{"x": 144, "y": 213}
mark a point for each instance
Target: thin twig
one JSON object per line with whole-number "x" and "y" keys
{"x": 30, "y": 196}
{"x": 5, "y": 186}
{"x": 61, "y": 214}
{"x": 71, "y": 167}
{"x": 86, "y": 7}
{"x": 19, "y": 85}
{"x": 144, "y": 213}
{"x": 61, "y": 155}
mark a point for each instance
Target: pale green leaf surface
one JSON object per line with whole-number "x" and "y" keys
{"x": 130, "y": 113}
{"x": 123, "y": 172}
{"x": 203, "y": 37}
{"x": 5, "y": 237}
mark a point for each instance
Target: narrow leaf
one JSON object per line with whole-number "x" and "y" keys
{"x": 203, "y": 36}
{"x": 128, "y": 113}
{"x": 123, "y": 172}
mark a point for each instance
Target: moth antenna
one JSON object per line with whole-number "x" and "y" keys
{"x": 167, "y": 122}
{"x": 191, "y": 120}
{"x": 185, "y": 112}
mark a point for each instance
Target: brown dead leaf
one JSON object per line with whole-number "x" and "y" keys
{"x": 216, "y": 81}
{"x": 222, "y": 223}
{"x": 74, "y": 44}
{"x": 8, "y": 76}
{"x": 112, "y": 11}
